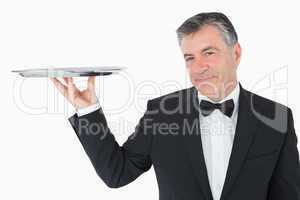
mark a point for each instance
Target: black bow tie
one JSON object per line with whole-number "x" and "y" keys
{"x": 225, "y": 107}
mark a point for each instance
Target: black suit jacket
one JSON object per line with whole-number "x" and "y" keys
{"x": 264, "y": 163}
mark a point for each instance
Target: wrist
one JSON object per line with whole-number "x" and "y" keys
{"x": 87, "y": 109}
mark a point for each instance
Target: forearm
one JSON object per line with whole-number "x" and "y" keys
{"x": 116, "y": 165}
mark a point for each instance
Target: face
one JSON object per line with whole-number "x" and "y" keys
{"x": 210, "y": 62}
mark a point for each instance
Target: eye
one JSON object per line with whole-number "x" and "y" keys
{"x": 208, "y": 53}
{"x": 188, "y": 58}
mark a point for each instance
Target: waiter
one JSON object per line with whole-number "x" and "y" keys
{"x": 215, "y": 140}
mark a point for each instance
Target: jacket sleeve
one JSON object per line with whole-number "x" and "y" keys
{"x": 285, "y": 182}
{"x": 116, "y": 165}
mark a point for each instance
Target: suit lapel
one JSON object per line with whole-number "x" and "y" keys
{"x": 245, "y": 129}
{"x": 193, "y": 143}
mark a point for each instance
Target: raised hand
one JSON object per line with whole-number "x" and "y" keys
{"x": 79, "y": 99}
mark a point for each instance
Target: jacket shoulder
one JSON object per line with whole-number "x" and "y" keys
{"x": 267, "y": 107}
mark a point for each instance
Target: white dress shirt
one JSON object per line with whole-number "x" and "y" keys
{"x": 89, "y": 109}
{"x": 217, "y": 134}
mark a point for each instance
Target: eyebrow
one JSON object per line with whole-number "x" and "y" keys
{"x": 203, "y": 50}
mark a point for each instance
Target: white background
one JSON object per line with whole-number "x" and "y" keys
{"x": 41, "y": 157}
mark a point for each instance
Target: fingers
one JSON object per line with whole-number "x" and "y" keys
{"x": 91, "y": 83}
{"x": 68, "y": 90}
{"x": 61, "y": 87}
{"x": 71, "y": 88}
{"x": 66, "y": 80}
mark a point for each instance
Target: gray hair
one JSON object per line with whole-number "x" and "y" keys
{"x": 219, "y": 20}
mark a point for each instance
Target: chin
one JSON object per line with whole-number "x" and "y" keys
{"x": 207, "y": 88}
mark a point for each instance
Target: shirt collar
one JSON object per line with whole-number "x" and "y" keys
{"x": 234, "y": 95}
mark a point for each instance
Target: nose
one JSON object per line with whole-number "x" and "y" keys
{"x": 198, "y": 66}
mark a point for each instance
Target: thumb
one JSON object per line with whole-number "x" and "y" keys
{"x": 91, "y": 83}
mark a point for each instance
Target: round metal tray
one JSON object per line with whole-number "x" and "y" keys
{"x": 70, "y": 72}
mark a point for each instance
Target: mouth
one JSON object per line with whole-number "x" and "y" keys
{"x": 204, "y": 79}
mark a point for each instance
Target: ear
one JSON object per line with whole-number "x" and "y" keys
{"x": 237, "y": 51}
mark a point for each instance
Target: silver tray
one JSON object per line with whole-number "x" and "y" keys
{"x": 69, "y": 72}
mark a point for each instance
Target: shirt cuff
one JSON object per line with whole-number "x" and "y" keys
{"x": 87, "y": 110}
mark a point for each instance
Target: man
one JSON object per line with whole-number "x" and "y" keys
{"x": 215, "y": 140}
